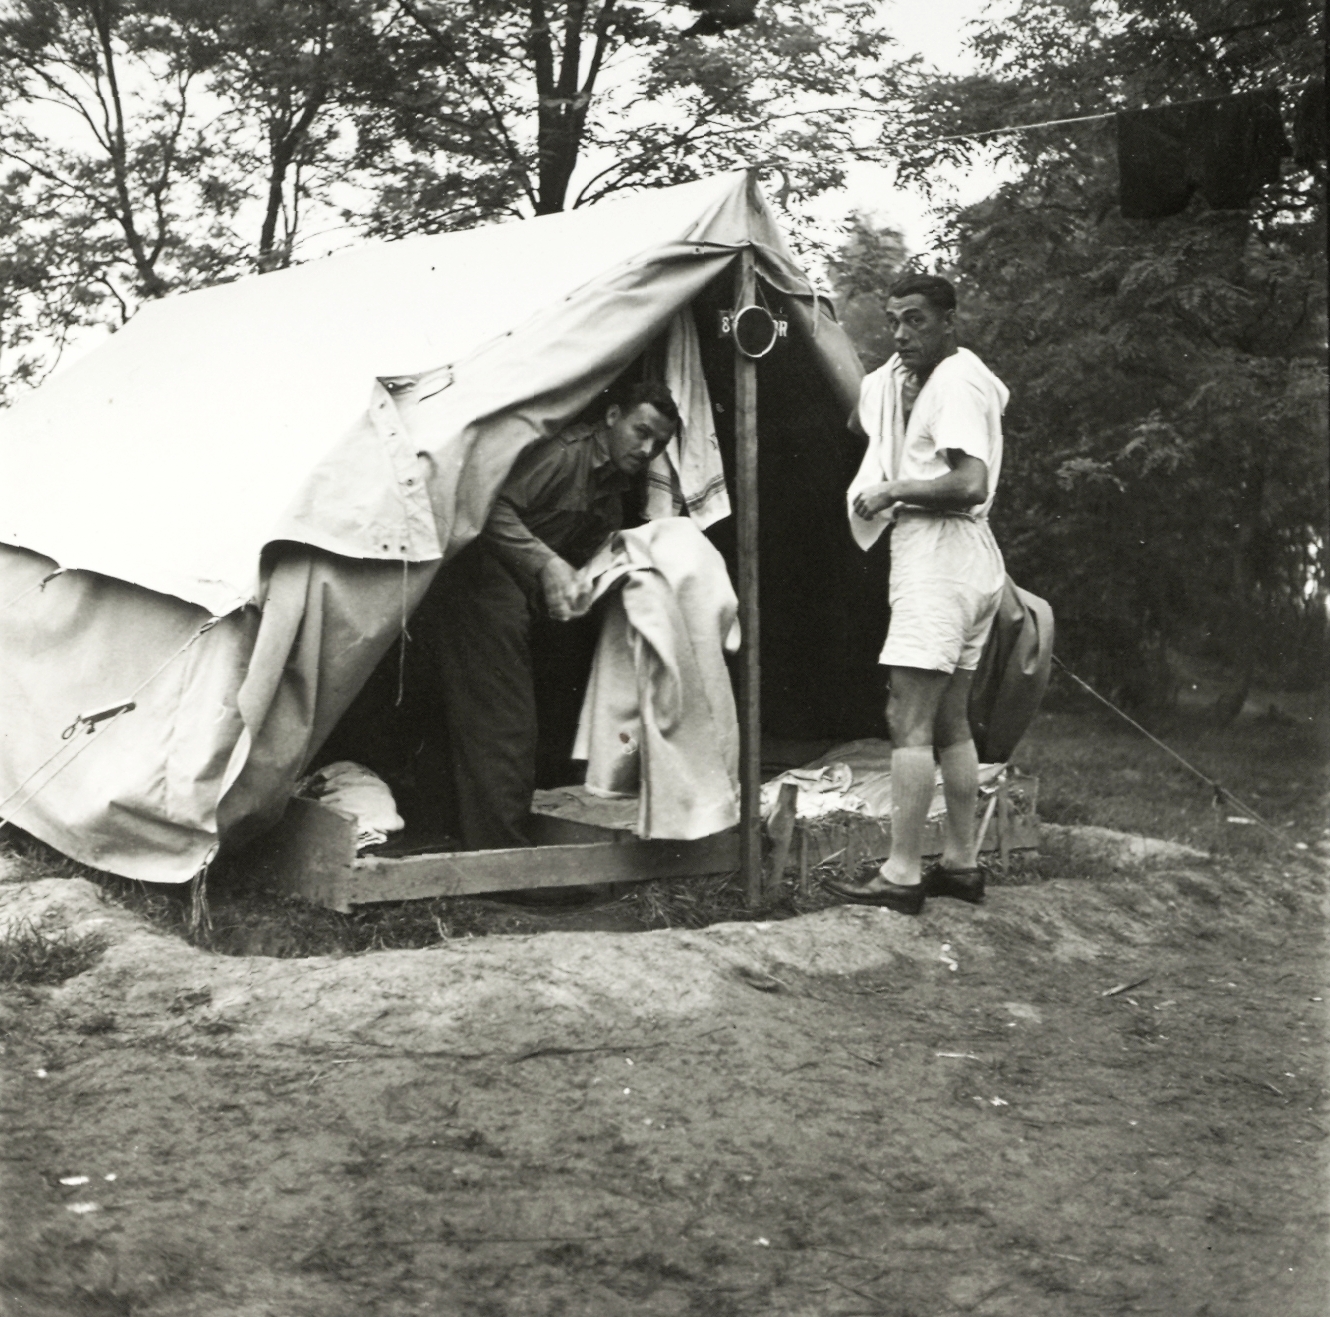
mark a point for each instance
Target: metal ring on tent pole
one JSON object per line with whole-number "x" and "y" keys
{"x": 754, "y": 331}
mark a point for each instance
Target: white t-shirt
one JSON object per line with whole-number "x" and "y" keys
{"x": 959, "y": 407}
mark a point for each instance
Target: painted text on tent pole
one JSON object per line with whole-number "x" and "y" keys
{"x": 750, "y": 671}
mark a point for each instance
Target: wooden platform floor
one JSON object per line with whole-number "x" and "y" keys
{"x": 312, "y": 853}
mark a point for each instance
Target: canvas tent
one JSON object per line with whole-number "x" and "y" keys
{"x": 247, "y": 490}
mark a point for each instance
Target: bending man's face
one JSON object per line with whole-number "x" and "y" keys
{"x": 922, "y": 333}
{"x": 636, "y": 437}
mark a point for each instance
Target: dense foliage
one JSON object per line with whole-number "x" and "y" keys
{"x": 1165, "y": 484}
{"x": 154, "y": 145}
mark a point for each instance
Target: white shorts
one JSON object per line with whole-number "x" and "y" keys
{"x": 946, "y": 583}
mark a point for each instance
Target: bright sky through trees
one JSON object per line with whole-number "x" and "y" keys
{"x": 936, "y": 31}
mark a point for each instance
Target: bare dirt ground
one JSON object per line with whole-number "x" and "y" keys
{"x": 851, "y": 1112}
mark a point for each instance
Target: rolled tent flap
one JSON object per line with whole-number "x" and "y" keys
{"x": 327, "y": 621}
{"x": 294, "y": 455}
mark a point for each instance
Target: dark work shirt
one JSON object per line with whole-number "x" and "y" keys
{"x": 562, "y": 497}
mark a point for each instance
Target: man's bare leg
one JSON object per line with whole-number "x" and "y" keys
{"x": 916, "y": 695}
{"x": 960, "y": 772}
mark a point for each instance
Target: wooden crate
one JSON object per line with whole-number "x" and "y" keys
{"x": 1009, "y": 827}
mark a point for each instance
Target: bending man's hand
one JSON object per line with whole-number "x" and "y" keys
{"x": 566, "y": 595}
{"x": 868, "y": 502}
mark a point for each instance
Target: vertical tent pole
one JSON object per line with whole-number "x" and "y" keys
{"x": 750, "y": 671}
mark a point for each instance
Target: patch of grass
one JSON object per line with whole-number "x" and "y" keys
{"x": 689, "y": 902}
{"x": 24, "y": 859}
{"x": 717, "y": 898}
{"x": 1095, "y": 769}
{"x": 246, "y": 923}
{"x": 29, "y": 955}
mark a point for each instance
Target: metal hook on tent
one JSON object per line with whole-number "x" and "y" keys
{"x": 36, "y": 585}
{"x": 90, "y": 720}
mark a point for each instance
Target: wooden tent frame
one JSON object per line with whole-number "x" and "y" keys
{"x": 311, "y": 853}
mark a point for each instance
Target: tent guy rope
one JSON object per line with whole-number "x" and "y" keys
{"x": 36, "y": 585}
{"x": 1221, "y": 791}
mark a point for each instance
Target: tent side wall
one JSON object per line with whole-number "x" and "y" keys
{"x": 327, "y": 622}
{"x": 136, "y": 793}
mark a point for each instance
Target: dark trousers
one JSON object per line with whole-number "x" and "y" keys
{"x": 475, "y": 628}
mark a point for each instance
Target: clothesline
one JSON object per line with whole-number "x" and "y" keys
{"x": 1045, "y": 123}
{"x": 1021, "y": 128}
{"x": 1226, "y": 148}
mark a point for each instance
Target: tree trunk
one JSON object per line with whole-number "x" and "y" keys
{"x": 285, "y": 145}
{"x": 560, "y": 124}
{"x": 563, "y": 102}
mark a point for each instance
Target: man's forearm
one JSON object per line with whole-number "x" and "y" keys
{"x": 954, "y": 492}
{"x": 960, "y": 488}
{"x": 510, "y": 540}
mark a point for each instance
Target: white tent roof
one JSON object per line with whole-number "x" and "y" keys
{"x": 170, "y": 455}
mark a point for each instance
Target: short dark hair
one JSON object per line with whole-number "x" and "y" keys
{"x": 933, "y": 288}
{"x": 654, "y": 393}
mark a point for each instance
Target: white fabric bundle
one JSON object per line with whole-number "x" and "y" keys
{"x": 358, "y": 793}
{"x": 659, "y": 703}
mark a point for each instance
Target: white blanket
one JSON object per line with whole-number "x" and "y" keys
{"x": 358, "y": 793}
{"x": 659, "y": 715}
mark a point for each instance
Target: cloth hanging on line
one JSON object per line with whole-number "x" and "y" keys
{"x": 659, "y": 718}
{"x": 1226, "y": 149}
{"x": 688, "y": 478}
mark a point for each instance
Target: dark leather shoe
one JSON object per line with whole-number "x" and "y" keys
{"x": 903, "y": 900}
{"x": 963, "y": 884}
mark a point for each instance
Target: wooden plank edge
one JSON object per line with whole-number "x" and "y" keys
{"x": 474, "y": 873}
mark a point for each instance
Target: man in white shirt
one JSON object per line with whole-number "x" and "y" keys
{"x": 933, "y": 419}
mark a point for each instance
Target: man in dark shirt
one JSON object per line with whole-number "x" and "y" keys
{"x": 562, "y": 499}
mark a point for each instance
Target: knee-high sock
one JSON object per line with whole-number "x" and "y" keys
{"x": 911, "y": 794}
{"x": 960, "y": 785}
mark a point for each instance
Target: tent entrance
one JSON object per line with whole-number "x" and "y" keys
{"x": 816, "y": 602}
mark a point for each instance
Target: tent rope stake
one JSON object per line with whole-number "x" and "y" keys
{"x": 200, "y": 916}
{"x": 1221, "y": 792}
